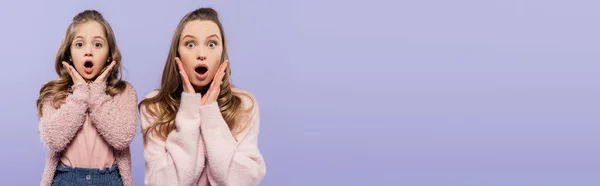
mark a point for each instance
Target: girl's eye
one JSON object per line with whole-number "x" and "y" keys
{"x": 190, "y": 44}
{"x": 97, "y": 45}
{"x": 78, "y": 44}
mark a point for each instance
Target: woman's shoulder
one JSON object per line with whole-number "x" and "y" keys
{"x": 151, "y": 94}
{"x": 248, "y": 99}
{"x": 144, "y": 103}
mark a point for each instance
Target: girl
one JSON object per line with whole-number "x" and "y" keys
{"x": 88, "y": 115}
{"x": 198, "y": 129}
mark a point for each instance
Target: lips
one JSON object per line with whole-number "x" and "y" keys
{"x": 89, "y": 66}
{"x": 201, "y": 71}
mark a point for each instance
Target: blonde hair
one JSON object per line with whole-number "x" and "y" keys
{"x": 165, "y": 104}
{"x": 57, "y": 90}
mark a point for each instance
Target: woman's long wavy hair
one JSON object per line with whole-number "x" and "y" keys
{"x": 57, "y": 90}
{"x": 165, "y": 104}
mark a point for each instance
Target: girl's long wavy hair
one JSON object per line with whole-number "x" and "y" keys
{"x": 164, "y": 105}
{"x": 57, "y": 90}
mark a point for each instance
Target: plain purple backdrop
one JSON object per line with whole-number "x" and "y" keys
{"x": 420, "y": 93}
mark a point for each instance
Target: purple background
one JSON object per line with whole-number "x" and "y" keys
{"x": 465, "y": 92}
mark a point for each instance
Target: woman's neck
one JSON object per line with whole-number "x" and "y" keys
{"x": 201, "y": 90}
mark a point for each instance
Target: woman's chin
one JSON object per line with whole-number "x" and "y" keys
{"x": 199, "y": 83}
{"x": 200, "y": 86}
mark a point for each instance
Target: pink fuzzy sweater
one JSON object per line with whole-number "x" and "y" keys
{"x": 202, "y": 150}
{"x": 115, "y": 119}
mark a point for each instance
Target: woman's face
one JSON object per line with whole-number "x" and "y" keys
{"x": 200, "y": 49}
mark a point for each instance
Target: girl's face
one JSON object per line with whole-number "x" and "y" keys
{"x": 89, "y": 49}
{"x": 200, "y": 49}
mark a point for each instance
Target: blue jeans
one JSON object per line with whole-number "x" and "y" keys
{"x": 72, "y": 176}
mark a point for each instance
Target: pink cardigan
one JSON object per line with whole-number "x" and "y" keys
{"x": 202, "y": 150}
{"x": 115, "y": 118}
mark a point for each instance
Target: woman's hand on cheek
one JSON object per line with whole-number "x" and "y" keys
{"x": 215, "y": 87}
{"x": 185, "y": 82}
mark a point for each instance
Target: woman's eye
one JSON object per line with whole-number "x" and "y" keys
{"x": 212, "y": 44}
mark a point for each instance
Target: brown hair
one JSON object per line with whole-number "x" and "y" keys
{"x": 57, "y": 90}
{"x": 165, "y": 104}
